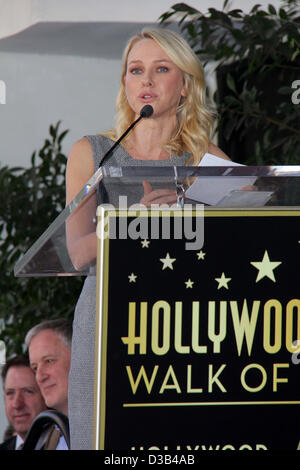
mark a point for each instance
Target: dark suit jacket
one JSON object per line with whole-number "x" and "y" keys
{"x": 9, "y": 444}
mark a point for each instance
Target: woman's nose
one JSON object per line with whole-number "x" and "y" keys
{"x": 147, "y": 79}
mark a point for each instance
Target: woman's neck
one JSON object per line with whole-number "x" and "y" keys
{"x": 148, "y": 138}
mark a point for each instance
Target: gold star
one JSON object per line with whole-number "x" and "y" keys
{"x": 132, "y": 277}
{"x": 223, "y": 281}
{"x": 167, "y": 262}
{"x": 145, "y": 243}
{"x": 189, "y": 284}
{"x": 201, "y": 254}
{"x": 265, "y": 267}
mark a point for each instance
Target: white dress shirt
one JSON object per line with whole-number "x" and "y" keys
{"x": 19, "y": 442}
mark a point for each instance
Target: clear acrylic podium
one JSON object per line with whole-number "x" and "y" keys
{"x": 48, "y": 256}
{"x": 188, "y": 334}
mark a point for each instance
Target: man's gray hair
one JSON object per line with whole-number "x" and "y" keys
{"x": 62, "y": 327}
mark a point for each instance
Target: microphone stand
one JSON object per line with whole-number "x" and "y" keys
{"x": 146, "y": 111}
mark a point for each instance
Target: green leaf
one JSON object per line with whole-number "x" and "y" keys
{"x": 255, "y": 8}
{"x": 295, "y": 54}
{"x": 230, "y": 83}
{"x": 237, "y": 13}
{"x": 183, "y": 7}
{"x": 62, "y": 136}
{"x": 272, "y": 9}
{"x": 282, "y": 14}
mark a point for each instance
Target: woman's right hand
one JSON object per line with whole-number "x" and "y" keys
{"x": 157, "y": 196}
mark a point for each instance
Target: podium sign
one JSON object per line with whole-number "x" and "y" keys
{"x": 198, "y": 349}
{"x": 197, "y": 339}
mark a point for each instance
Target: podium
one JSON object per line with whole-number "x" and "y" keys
{"x": 198, "y": 307}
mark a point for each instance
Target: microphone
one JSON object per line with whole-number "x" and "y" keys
{"x": 145, "y": 112}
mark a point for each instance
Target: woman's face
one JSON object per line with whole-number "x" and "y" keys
{"x": 152, "y": 78}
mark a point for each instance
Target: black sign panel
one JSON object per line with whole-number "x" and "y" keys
{"x": 200, "y": 348}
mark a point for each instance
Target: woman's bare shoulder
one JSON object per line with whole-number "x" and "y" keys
{"x": 80, "y": 167}
{"x": 81, "y": 146}
{"x": 214, "y": 150}
{"x": 81, "y": 156}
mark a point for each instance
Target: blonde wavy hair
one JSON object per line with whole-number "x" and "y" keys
{"x": 194, "y": 117}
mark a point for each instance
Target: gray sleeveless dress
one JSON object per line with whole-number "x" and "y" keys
{"x": 81, "y": 378}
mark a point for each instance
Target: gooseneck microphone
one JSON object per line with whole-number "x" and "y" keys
{"x": 145, "y": 112}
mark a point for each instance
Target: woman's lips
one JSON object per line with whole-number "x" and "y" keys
{"x": 147, "y": 97}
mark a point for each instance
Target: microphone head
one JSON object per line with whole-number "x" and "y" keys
{"x": 146, "y": 111}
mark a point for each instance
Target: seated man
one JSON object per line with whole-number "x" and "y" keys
{"x": 49, "y": 346}
{"x": 22, "y": 398}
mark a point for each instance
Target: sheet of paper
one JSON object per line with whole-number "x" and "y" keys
{"x": 246, "y": 199}
{"x": 213, "y": 189}
{"x": 212, "y": 160}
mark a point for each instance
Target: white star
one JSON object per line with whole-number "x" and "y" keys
{"x": 201, "y": 254}
{"x": 265, "y": 267}
{"x": 223, "y": 281}
{"x": 189, "y": 284}
{"x": 132, "y": 277}
{"x": 167, "y": 262}
{"x": 145, "y": 243}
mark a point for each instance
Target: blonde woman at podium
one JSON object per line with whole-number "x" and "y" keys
{"x": 160, "y": 72}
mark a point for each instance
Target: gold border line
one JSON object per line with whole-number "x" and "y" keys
{"x": 209, "y": 403}
{"x": 209, "y": 212}
{"x": 97, "y": 378}
{"x": 104, "y": 316}
{"x": 103, "y": 246}
{"x": 102, "y": 277}
{"x": 261, "y": 212}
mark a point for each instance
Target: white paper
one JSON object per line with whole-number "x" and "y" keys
{"x": 213, "y": 189}
{"x": 212, "y": 160}
{"x": 246, "y": 199}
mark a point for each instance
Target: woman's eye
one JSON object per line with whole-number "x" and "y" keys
{"x": 162, "y": 69}
{"x": 136, "y": 71}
